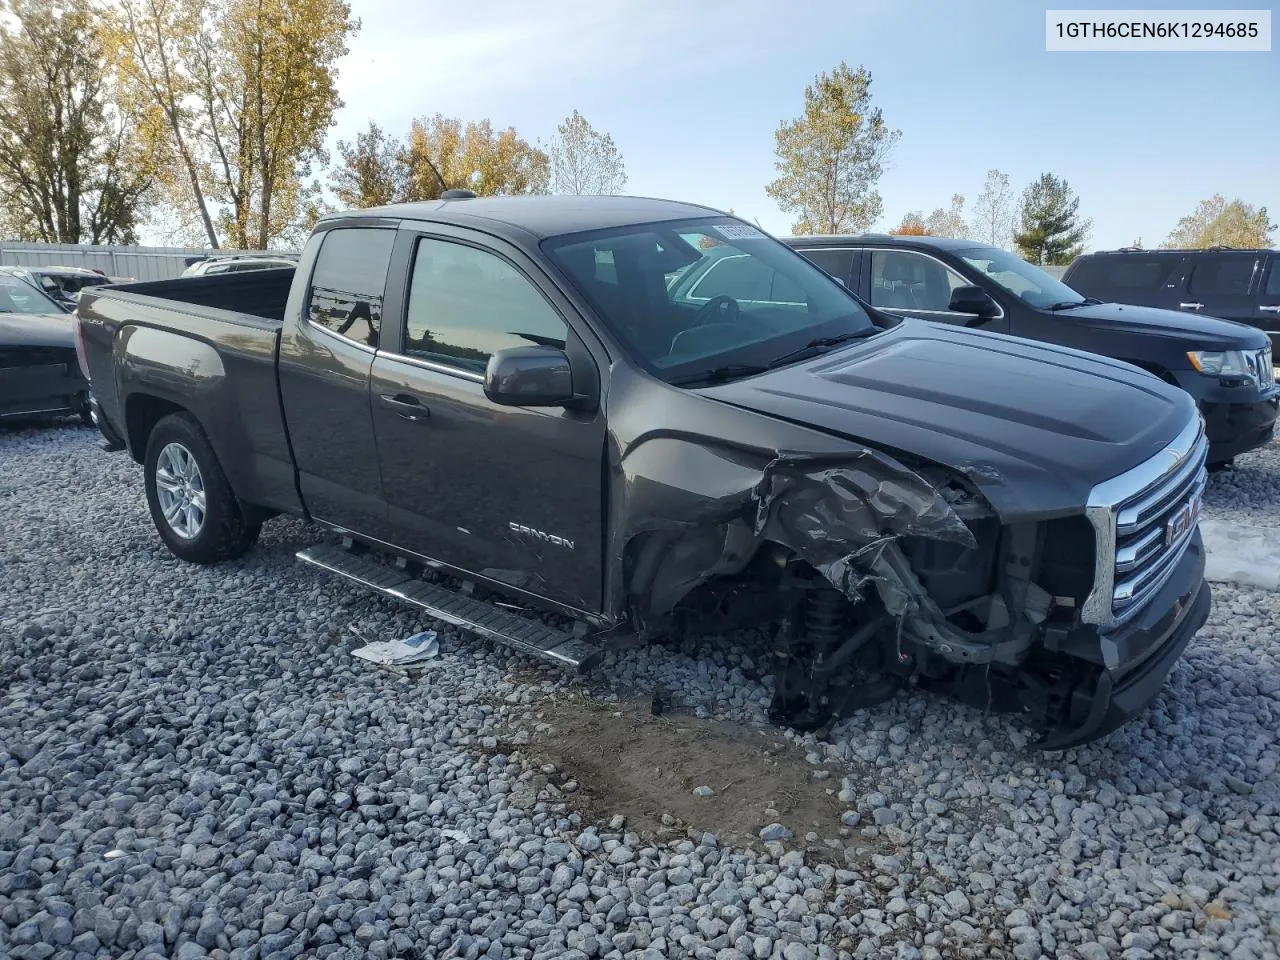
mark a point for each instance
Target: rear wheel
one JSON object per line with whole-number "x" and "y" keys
{"x": 192, "y": 505}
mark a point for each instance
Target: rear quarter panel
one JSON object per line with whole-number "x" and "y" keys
{"x": 218, "y": 365}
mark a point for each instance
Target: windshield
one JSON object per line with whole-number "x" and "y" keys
{"x": 18, "y": 296}
{"x": 691, "y": 296}
{"x": 1022, "y": 279}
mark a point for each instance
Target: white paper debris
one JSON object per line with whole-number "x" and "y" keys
{"x": 1235, "y": 553}
{"x": 113, "y": 854}
{"x": 450, "y": 834}
{"x": 394, "y": 653}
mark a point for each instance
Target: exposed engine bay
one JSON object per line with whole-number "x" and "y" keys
{"x": 874, "y": 577}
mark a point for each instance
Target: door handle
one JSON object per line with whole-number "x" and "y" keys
{"x": 1271, "y": 309}
{"x": 1191, "y": 306}
{"x": 407, "y": 406}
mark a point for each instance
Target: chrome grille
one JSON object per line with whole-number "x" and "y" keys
{"x": 1144, "y": 519}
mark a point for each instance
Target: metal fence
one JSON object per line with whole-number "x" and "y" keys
{"x": 143, "y": 263}
{"x": 139, "y": 263}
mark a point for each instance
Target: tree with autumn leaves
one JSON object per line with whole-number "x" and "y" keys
{"x": 443, "y": 153}
{"x": 77, "y": 163}
{"x": 830, "y": 157}
{"x": 247, "y": 90}
{"x": 439, "y": 153}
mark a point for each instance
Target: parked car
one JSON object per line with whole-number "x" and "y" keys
{"x": 61, "y": 284}
{"x": 1226, "y": 367}
{"x": 1239, "y": 285}
{"x": 39, "y": 372}
{"x": 505, "y": 401}
{"x": 235, "y": 264}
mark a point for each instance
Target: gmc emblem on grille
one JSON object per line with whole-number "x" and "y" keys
{"x": 1181, "y": 520}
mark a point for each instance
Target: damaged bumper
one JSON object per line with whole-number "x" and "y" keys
{"x": 877, "y": 574}
{"x": 1149, "y": 645}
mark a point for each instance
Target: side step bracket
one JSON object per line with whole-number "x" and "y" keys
{"x": 528, "y": 636}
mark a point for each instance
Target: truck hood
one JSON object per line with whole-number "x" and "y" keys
{"x": 1033, "y": 426}
{"x": 37, "y": 330}
{"x": 1195, "y": 330}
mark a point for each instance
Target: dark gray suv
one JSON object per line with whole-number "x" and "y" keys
{"x": 1239, "y": 285}
{"x": 1225, "y": 366}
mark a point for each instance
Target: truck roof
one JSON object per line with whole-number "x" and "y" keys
{"x": 540, "y": 216}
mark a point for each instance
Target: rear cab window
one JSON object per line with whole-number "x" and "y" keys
{"x": 346, "y": 291}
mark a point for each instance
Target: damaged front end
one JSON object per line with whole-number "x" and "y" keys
{"x": 873, "y": 574}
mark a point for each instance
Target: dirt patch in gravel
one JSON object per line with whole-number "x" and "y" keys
{"x": 627, "y": 761}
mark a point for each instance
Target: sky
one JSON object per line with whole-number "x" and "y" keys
{"x": 693, "y": 92}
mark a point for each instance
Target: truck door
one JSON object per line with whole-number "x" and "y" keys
{"x": 1224, "y": 284}
{"x": 331, "y": 333}
{"x": 1148, "y": 279}
{"x": 512, "y": 494}
{"x": 1269, "y": 305}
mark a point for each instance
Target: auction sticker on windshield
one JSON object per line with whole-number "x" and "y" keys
{"x": 738, "y": 231}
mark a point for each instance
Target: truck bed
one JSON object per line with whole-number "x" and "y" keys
{"x": 207, "y": 345}
{"x": 259, "y": 293}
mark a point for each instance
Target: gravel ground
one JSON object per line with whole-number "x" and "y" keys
{"x": 192, "y": 764}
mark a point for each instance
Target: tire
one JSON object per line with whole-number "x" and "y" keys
{"x": 192, "y": 505}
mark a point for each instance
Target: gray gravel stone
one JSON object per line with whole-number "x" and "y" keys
{"x": 272, "y": 797}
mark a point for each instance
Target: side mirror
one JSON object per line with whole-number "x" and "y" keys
{"x": 529, "y": 377}
{"x": 973, "y": 300}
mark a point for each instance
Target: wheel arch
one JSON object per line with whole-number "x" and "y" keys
{"x": 142, "y": 411}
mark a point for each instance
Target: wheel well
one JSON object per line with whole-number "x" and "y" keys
{"x": 141, "y": 414}
{"x": 1155, "y": 368}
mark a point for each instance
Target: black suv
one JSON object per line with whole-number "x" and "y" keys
{"x": 1240, "y": 285}
{"x": 1226, "y": 366}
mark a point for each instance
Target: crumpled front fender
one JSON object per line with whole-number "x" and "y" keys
{"x": 690, "y": 510}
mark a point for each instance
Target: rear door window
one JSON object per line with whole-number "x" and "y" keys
{"x": 347, "y": 285}
{"x": 1273, "y": 279}
{"x": 1126, "y": 273}
{"x": 835, "y": 261}
{"x": 1222, "y": 274}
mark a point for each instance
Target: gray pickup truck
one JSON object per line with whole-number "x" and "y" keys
{"x": 511, "y": 407}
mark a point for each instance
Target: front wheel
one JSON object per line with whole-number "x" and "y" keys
{"x": 192, "y": 505}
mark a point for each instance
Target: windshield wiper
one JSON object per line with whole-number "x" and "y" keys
{"x": 728, "y": 371}
{"x": 1072, "y": 304}
{"x": 820, "y": 345}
